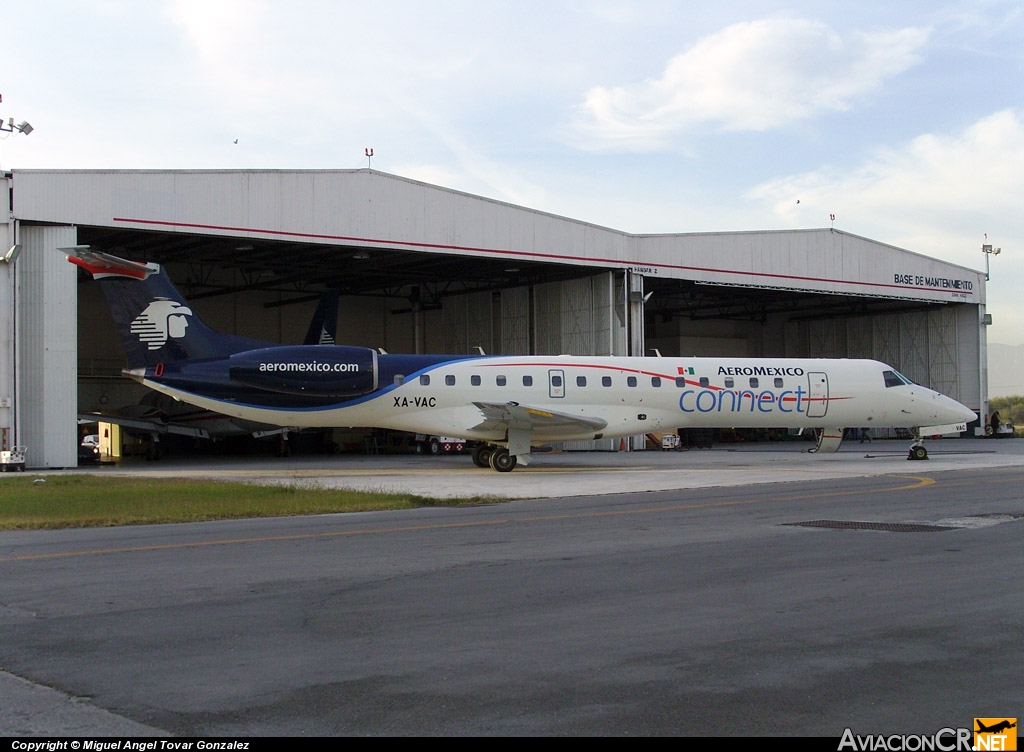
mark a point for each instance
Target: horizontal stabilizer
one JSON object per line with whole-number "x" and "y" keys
{"x": 101, "y": 265}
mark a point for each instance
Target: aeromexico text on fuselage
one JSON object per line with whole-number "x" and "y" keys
{"x": 310, "y": 377}
{"x": 759, "y": 371}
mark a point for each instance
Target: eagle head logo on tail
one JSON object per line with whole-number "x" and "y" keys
{"x": 161, "y": 320}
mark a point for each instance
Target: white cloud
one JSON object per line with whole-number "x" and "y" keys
{"x": 938, "y": 187}
{"x": 938, "y": 196}
{"x": 751, "y": 76}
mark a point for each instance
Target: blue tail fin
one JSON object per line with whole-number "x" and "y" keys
{"x": 323, "y": 329}
{"x": 155, "y": 323}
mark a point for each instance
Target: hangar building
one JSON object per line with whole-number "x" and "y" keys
{"x": 426, "y": 269}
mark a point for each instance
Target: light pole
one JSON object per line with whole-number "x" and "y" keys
{"x": 9, "y": 400}
{"x": 986, "y": 320}
{"x": 989, "y": 251}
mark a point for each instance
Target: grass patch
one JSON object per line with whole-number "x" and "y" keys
{"x": 93, "y": 501}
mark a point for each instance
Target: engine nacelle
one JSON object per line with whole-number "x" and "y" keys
{"x": 314, "y": 370}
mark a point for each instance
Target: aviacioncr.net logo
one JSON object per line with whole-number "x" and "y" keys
{"x": 163, "y": 319}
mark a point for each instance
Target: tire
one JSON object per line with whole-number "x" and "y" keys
{"x": 502, "y": 461}
{"x": 435, "y": 447}
{"x": 482, "y": 455}
{"x": 918, "y": 453}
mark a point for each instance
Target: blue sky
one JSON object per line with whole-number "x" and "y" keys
{"x": 905, "y": 120}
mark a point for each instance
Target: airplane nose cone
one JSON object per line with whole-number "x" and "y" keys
{"x": 951, "y": 411}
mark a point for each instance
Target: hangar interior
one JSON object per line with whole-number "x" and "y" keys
{"x": 573, "y": 289}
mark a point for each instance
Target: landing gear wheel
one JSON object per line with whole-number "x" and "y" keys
{"x": 482, "y": 455}
{"x": 918, "y": 453}
{"x": 502, "y": 461}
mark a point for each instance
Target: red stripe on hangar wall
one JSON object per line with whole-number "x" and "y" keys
{"x": 517, "y": 254}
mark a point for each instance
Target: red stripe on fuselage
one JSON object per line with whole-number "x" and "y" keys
{"x": 565, "y": 366}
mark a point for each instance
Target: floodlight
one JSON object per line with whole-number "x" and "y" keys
{"x": 12, "y": 254}
{"x": 24, "y": 127}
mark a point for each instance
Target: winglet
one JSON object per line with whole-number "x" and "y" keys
{"x": 101, "y": 265}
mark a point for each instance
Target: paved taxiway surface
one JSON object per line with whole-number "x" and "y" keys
{"x": 695, "y": 608}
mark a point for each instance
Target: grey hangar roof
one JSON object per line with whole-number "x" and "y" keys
{"x": 370, "y": 233}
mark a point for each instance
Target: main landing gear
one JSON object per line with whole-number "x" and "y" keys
{"x": 482, "y": 455}
{"x": 496, "y": 458}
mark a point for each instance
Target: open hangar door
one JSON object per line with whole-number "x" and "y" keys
{"x": 389, "y": 298}
{"x": 397, "y": 300}
{"x": 934, "y": 344}
{"x": 406, "y": 301}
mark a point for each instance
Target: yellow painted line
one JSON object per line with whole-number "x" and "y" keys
{"x": 258, "y": 539}
{"x": 920, "y": 482}
{"x": 379, "y": 472}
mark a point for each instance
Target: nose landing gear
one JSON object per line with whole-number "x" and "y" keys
{"x": 917, "y": 450}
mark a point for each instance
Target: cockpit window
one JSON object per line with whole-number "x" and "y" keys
{"x": 895, "y": 378}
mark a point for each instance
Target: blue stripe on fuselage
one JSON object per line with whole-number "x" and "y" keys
{"x": 215, "y": 384}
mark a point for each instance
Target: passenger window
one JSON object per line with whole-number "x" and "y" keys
{"x": 704, "y": 382}
{"x": 424, "y": 380}
{"x": 680, "y": 381}
{"x": 399, "y": 379}
{"x": 631, "y": 381}
{"x": 581, "y": 381}
{"x": 729, "y": 383}
{"x": 527, "y": 380}
{"x": 474, "y": 380}
{"x": 500, "y": 381}
{"x": 655, "y": 380}
{"x": 753, "y": 382}
{"x": 606, "y": 381}
{"x": 778, "y": 383}
{"x": 449, "y": 380}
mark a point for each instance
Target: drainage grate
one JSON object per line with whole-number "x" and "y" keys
{"x": 888, "y": 527}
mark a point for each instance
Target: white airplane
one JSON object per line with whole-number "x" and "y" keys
{"x": 510, "y": 403}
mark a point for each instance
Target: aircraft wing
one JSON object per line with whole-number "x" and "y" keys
{"x": 511, "y": 415}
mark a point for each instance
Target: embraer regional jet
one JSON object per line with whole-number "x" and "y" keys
{"x": 509, "y": 403}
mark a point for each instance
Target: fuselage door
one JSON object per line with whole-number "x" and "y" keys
{"x": 817, "y": 404}
{"x": 556, "y": 383}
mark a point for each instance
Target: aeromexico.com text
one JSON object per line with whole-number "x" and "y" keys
{"x": 309, "y": 367}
